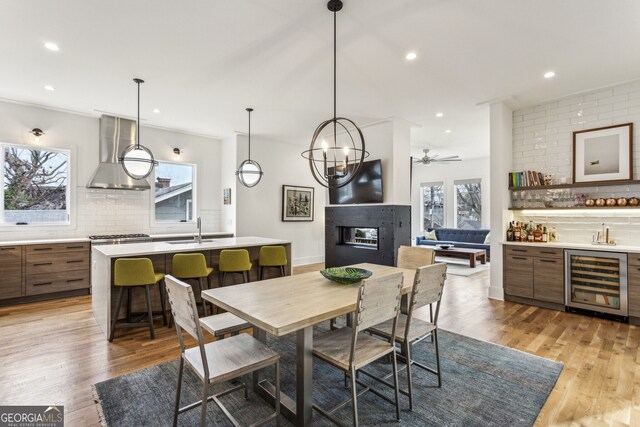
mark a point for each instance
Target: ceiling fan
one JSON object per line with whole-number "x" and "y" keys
{"x": 427, "y": 159}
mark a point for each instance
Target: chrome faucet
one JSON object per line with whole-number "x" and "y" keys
{"x": 198, "y": 238}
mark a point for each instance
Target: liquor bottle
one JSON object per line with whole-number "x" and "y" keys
{"x": 517, "y": 232}
{"x": 553, "y": 235}
{"x": 545, "y": 235}
{"x": 510, "y": 232}
{"x": 530, "y": 231}
{"x": 537, "y": 234}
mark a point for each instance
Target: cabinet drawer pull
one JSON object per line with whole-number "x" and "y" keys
{"x": 74, "y": 280}
{"x": 7, "y": 249}
{"x": 518, "y": 250}
{"x": 519, "y": 257}
{"x": 42, "y": 249}
{"x": 548, "y": 260}
{"x": 75, "y": 247}
{"x": 548, "y": 252}
{"x": 43, "y": 284}
{"x": 42, "y": 263}
{"x": 74, "y": 261}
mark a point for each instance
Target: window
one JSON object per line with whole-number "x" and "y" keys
{"x": 432, "y": 205}
{"x": 468, "y": 204}
{"x": 174, "y": 192}
{"x": 35, "y": 187}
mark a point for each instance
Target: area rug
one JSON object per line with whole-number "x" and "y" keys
{"x": 483, "y": 384}
{"x": 461, "y": 267}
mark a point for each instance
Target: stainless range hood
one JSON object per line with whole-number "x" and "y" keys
{"x": 115, "y": 135}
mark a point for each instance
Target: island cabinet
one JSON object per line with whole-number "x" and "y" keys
{"x": 534, "y": 275}
{"x": 633, "y": 286}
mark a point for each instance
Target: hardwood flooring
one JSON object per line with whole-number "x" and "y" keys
{"x": 52, "y": 352}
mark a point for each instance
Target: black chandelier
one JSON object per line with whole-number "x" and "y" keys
{"x": 249, "y": 172}
{"x": 335, "y": 159}
{"x": 137, "y": 160}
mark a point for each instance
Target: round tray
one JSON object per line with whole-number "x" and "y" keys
{"x": 345, "y": 275}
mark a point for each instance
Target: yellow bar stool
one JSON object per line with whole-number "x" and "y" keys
{"x": 193, "y": 267}
{"x": 132, "y": 273}
{"x": 272, "y": 257}
{"x": 234, "y": 261}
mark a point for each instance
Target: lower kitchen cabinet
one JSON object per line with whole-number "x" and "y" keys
{"x": 633, "y": 285}
{"x": 11, "y": 271}
{"x": 534, "y": 273}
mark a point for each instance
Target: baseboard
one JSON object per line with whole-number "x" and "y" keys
{"x": 307, "y": 260}
{"x": 495, "y": 293}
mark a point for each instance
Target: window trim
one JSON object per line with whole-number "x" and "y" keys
{"x": 194, "y": 199}
{"x": 457, "y": 182}
{"x": 70, "y": 193}
{"x": 444, "y": 201}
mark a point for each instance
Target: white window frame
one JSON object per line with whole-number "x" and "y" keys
{"x": 193, "y": 202}
{"x": 69, "y": 189}
{"x": 457, "y": 182}
{"x": 444, "y": 202}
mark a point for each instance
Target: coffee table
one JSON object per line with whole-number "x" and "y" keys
{"x": 463, "y": 253}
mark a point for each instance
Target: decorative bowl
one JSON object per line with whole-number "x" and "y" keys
{"x": 445, "y": 246}
{"x": 345, "y": 275}
{"x": 622, "y": 201}
{"x": 590, "y": 202}
{"x": 611, "y": 201}
{"x": 601, "y": 202}
{"x": 634, "y": 201}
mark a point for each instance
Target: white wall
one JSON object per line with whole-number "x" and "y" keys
{"x": 110, "y": 211}
{"x": 259, "y": 209}
{"x": 228, "y": 164}
{"x": 543, "y": 140}
{"x": 448, "y": 173}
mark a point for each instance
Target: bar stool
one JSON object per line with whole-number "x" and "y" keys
{"x": 130, "y": 273}
{"x": 193, "y": 267}
{"x": 272, "y": 256}
{"x": 234, "y": 261}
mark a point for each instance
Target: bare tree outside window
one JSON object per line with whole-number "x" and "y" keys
{"x": 433, "y": 205}
{"x": 469, "y": 204}
{"x": 35, "y": 185}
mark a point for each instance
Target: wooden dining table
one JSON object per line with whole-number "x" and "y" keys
{"x": 291, "y": 304}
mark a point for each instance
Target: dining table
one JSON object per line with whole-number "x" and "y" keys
{"x": 295, "y": 304}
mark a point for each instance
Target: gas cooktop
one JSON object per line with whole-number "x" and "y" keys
{"x": 119, "y": 238}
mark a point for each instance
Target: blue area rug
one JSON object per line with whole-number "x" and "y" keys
{"x": 483, "y": 384}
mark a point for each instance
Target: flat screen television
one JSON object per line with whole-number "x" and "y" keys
{"x": 366, "y": 187}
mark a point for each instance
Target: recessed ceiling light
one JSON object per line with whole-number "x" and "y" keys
{"x": 411, "y": 56}
{"x": 549, "y": 74}
{"x": 52, "y": 46}
{"x": 447, "y": 131}
{"x": 49, "y": 88}
{"x": 438, "y": 115}
{"x": 156, "y": 110}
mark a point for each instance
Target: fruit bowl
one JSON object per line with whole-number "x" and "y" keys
{"x": 345, "y": 275}
{"x": 445, "y": 246}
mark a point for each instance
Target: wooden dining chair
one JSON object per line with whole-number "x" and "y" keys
{"x": 427, "y": 289}
{"x": 218, "y": 361}
{"x": 350, "y": 350}
{"x": 413, "y": 257}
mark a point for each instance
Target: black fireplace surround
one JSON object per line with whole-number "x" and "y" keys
{"x": 365, "y": 233}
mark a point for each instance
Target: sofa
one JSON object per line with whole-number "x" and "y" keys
{"x": 459, "y": 238}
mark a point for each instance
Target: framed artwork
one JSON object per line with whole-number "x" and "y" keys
{"x": 226, "y": 194}
{"x": 297, "y": 203}
{"x": 603, "y": 154}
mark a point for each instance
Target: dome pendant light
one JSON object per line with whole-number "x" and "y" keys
{"x": 335, "y": 157}
{"x": 249, "y": 172}
{"x": 137, "y": 160}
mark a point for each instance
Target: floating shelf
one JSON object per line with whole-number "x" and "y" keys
{"x": 578, "y": 185}
{"x": 591, "y": 208}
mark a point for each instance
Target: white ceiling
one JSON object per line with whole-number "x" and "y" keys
{"x": 205, "y": 61}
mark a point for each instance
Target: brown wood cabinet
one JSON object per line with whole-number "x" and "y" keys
{"x": 11, "y": 272}
{"x": 535, "y": 273}
{"x": 633, "y": 284}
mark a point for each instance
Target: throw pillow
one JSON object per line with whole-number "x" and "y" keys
{"x": 487, "y": 240}
{"x": 430, "y": 235}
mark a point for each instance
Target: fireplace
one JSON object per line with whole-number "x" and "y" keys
{"x": 365, "y": 233}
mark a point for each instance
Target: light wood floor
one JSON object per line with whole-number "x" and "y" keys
{"x": 52, "y": 352}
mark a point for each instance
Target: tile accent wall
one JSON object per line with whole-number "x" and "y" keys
{"x": 111, "y": 212}
{"x": 543, "y": 139}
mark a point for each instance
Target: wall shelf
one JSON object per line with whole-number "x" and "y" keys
{"x": 591, "y": 208}
{"x": 578, "y": 185}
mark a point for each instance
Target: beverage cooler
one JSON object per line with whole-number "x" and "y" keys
{"x": 596, "y": 281}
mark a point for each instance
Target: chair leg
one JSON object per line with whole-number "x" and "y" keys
{"x": 282, "y": 270}
{"x": 178, "y": 390}
{"x": 435, "y": 340}
{"x": 205, "y": 396}
{"x": 147, "y": 294}
{"x": 395, "y": 384}
{"x": 278, "y": 393}
{"x": 354, "y": 397}
{"x": 260, "y": 272}
{"x": 117, "y": 313}
{"x": 222, "y": 279}
{"x": 245, "y": 276}
{"x": 161, "y": 287}
{"x": 129, "y": 299}
{"x": 203, "y": 303}
{"x": 406, "y": 351}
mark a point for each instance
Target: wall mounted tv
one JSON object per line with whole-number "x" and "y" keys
{"x": 366, "y": 187}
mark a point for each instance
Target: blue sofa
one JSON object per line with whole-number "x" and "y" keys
{"x": 470, "y": 239}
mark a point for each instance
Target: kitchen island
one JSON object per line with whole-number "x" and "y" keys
{"x": 161, "y": 254}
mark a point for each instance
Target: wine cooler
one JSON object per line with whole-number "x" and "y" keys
{"x": 596, "y": 281}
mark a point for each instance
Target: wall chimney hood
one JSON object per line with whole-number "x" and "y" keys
{"x": 115, "y": 135}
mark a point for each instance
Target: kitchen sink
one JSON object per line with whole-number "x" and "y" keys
{"x": 182, "y": 242}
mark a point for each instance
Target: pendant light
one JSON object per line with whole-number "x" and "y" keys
{"x": 335, "y": 155}
{"x": 137, "y": 160}
{"x": 249, "y": 172}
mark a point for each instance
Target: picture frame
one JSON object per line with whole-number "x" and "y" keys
{"x": 297, "y": 203}
{"x": 226, "y": 196}
{"x": 603, "y": 154}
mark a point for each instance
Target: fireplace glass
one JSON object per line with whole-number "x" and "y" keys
{"x": 365, "y": 237}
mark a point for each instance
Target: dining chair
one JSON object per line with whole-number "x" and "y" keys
{"x": 193, "y": 266}
{"x": 218, "y": 361}
{"x": 427, "y": 289}
{"x": 349, "y": 349}
{"x": 413, "y": 257}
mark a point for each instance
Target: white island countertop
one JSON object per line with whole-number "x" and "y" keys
{"x": 43, "y": 241}
{"x": 150, "y": 248}
{"x": 583, "y": 246}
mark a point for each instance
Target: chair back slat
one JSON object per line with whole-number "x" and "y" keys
{"x": 413, "y": 257}
{"x": 378, "y": 300}
{"x": 183, "y": 306}
{"x": 428, "y": 285}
